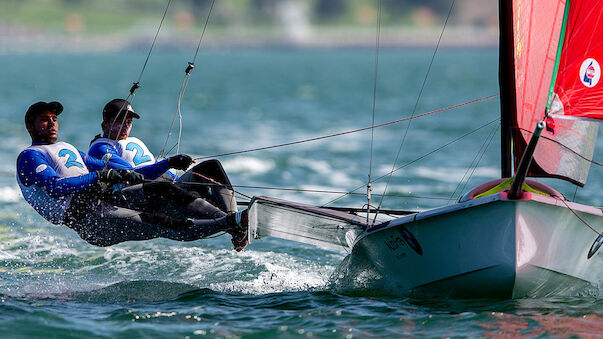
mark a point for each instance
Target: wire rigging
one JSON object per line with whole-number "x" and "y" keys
{"x": 211, "y": 8}
{"x": 564, "y": 146}
{"x": 346, "y": 132}
{"x": 475, "y": 162}
{"x": 293, "y": 189}
{"x": 480, "y": 159}
{"x": 416, "y": 104}
{"x": 144, "y": 66}
{"x": 376, "y": 76}
{"x": 417, "y": 159}
{"x": 183, "y": 87}
{"x": 136, "y": 85}
{"x": 580, "y": 218}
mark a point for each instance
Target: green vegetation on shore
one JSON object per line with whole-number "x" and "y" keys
{"x": 111, "y": 16}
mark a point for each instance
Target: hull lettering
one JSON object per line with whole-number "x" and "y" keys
{"x": 405, "y": 239}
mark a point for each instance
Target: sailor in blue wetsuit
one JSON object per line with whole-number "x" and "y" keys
{"x": 67, "y": 187}
{"x": 121, "y": 151}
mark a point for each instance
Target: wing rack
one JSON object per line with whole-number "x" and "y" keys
{"x": 322, "y": 227}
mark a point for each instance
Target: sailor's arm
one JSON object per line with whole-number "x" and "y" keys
{"x": 180, "y": 162}
{"x": 101, "y": 152}
{"x": 33, "y": 169}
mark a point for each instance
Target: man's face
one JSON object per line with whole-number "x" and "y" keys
{"x": 45, "y": 128}
{"x": 117, "y": 128}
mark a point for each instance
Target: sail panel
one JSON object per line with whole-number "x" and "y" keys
{"x": 566, "y": 146}
{"x": 537, "y": 27}
{"x": 579, "y": 87}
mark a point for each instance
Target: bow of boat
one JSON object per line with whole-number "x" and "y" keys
{"x": 487, "y": 247}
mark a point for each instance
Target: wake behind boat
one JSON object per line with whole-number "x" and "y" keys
{"x": 511, "y": 237}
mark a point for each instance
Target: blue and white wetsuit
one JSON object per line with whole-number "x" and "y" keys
{"x": 130, "y": 153}
{"x": 55, "y": 180}
{"x": 50, "y": 174}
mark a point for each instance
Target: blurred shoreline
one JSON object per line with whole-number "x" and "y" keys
{"x": 16, "y": 39}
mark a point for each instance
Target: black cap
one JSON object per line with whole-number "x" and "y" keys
{"x": 117, "y": 107}
{"x": 41, "y": 107}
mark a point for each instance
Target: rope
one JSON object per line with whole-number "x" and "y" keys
{"x": 178, "y": 114}
{"x": 579, "y": 218}
{"x": 290, "y": 189}
{"x": 346, "y": 132}
{"x": 417, "y": 159}
{"x": 416, "y": 104}
{"x": 219, "y": 184}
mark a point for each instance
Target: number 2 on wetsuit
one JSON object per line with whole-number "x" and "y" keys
{"x": 72, "y": 158}
{"x": 139, "y": 156}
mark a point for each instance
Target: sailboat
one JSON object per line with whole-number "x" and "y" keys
{"x": 508, "y": 238}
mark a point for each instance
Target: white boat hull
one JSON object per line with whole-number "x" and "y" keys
{"x": 490, "y": 247}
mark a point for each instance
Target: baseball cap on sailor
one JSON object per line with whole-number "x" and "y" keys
{"x": 118, "y": 106}
{"x": 41, "y": 107}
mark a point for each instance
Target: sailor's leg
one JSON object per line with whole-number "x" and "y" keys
{"x": 222, "y": 195}
{"x": 165, "y": 196}
{"x": 131, "y": 197}
{"x": 199, "y": 208}
{"x": 108, "y": 225}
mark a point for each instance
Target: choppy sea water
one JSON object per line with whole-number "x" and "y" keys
{"x": 53, "y": 284}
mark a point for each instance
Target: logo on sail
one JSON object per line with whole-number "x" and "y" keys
{"x": 590, "y": 72}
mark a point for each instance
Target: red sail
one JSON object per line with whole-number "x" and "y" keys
{"x": 579, "y": 87}
{"x": 565, "y": 145}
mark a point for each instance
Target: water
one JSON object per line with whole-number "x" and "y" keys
{"x": 53, "y": 284}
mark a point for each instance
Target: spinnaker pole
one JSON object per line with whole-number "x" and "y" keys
{"x": 524, "y": 164}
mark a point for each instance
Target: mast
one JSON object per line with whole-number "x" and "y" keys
{"x": 506, "y": 80}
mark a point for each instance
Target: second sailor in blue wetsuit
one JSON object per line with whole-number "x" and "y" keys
{"x": 122, "y": 151}
{"x": 129, "y": 152}
{"x": 67, "y": 187}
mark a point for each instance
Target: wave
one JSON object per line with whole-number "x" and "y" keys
{"x": 273, "y": 272}
{"x": 121, "y": 292}
{"x": 336, "y": 177}
{"x": 249, "y": 165}
{"x": 454, "y": 175}
{"x": 10, "y": 194}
